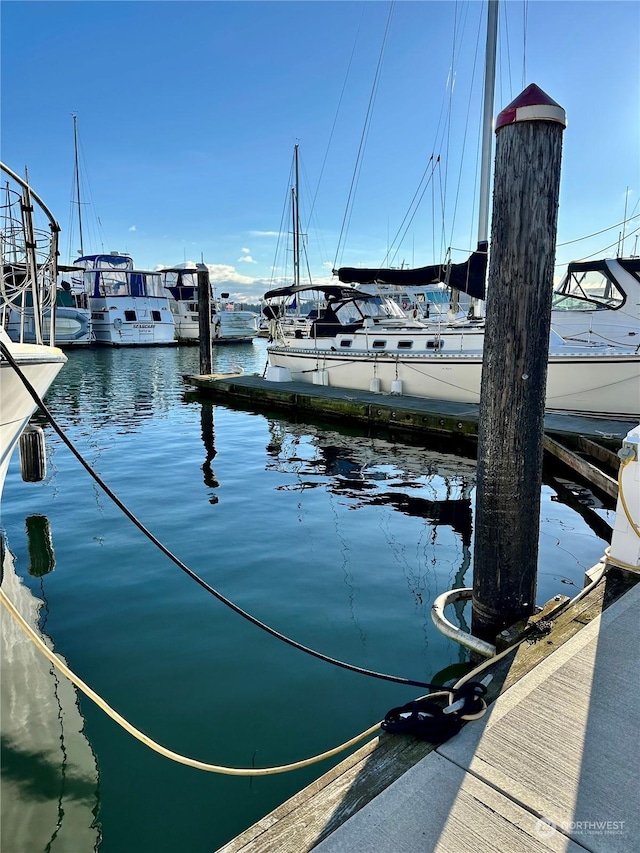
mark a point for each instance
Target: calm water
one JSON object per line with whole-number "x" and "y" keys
{"x": 335, "y": 538}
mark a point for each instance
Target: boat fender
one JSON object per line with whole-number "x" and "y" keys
{"x": 33, "y": 460}
{"x": 434, "y": 717}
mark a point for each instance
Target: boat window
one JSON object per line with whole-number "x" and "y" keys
{"x": 129, "y": 315}
{"x": 112, "y": 284}
{"x": 346, "y": 342}
{"x": 355, "y": 310}
{"x": 587, "y": 290}
{"x": 405, "y": 344}
{"x": 156, "y": 316}
{"x": 150, "y": 284}
{"x": 379, "y": 344}
{"x": 379, "y": 306}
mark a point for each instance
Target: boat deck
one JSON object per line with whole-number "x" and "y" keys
{"x": 552, "y": 766}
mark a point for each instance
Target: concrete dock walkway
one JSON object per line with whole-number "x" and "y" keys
{"x": 553, "y": 765}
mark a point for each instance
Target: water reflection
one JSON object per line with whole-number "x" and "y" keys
{"x": 208, "y": 439}
{"x": 339, "y": 539}
{"x": 42, "y": 559}
{"x": 49, "y": 783}
{"x": 360, "y": 467}
{"x": 416, "y": 481}
{"x": 126, "y": 387}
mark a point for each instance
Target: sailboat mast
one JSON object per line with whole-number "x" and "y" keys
{"x": 77, "y": 179}
{"x": 487, "y": 121}
{"x": 296, "y": 221}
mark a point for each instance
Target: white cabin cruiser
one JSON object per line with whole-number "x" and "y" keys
{"x": 129, "y": 307}
{"x": 228, "y": 323}
{"x": 181, "y": 285}
{"x": 598, "y": 303}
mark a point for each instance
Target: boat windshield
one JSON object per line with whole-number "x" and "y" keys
{"x": 587, "y": 290}
{"x": 377, "y": 307}
{"x": 123, "y": 283}
{"x": 104, "y": 262}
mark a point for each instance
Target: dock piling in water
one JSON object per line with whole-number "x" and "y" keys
{"x": 514, "y": 373}
{"x": 204, "y": 319}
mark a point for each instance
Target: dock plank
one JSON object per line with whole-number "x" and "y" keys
{"x": 438, "y": 807}
{"x": 314, "y": 814}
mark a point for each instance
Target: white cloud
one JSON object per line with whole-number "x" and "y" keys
{"x": 133, "y": 228}
{"x": 228, "y": 274}
{"x": 247, "y": 259}
{"x": 264, "y": 233}
{"x": 225, "y": 278}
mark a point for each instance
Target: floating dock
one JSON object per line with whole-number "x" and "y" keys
{"x": 552, "y": 766}
{"x": 392, "y": 412}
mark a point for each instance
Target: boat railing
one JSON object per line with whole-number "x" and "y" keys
{"x": 28, "y": 257}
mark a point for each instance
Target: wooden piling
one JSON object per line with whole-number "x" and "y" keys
{"x": 514, "y": 373}
{"x": 204, "y": 319}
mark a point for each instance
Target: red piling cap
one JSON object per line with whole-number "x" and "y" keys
{"x": 532, "y": 105}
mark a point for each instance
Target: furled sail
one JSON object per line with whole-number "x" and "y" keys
{"x": 467, "y": 277}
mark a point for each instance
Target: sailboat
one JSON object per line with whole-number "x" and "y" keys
{"x": 28, "y": 266}
{"x": 281, "y": 304}
{"x": 362, "y": 342}
{"x": 128, "y": 306}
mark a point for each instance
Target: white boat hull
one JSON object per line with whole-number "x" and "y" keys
{"x": 236, "y": 327}
{"x": 121, "y": 321}
{"x": 40, "y": 366}
{"x": 595, "y": 383}
{"x": 226, "y": 326}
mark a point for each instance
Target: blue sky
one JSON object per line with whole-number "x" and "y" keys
{"x": 188, "y": 113}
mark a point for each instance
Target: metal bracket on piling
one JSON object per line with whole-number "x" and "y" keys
{"x": 452, "y": 631}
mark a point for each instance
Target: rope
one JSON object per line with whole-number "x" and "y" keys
{"x": 597, "y": 233}
{"x": 606, "y": 248}
{"x": 363, "y": 139}
{"x": 608, "y": 559}
{"x": 152, "y": 744}
{"x": 223, "y": 599}
{"x": 427, "y": 718}
{"x": 623, "y": 499}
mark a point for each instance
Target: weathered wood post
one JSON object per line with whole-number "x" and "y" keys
{"x": 204, "y": 319}
{"x": 514, "y": 371}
